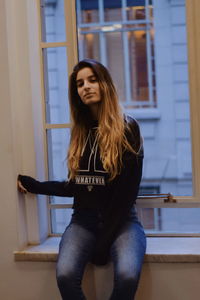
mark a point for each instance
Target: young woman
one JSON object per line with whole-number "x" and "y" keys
{"x": 105, "y": 168}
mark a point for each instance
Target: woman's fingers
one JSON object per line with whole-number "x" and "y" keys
{"x": 20, "y": 187}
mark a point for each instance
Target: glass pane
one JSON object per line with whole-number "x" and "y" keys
{"x": 151, "y": 49}
{"x": 170, "y": 220}
{"x": 151, "y": 72}
{"x": 139, "y": 2}
{"x": 60, "y": 218}
{"x": 58, "y": 142}
{"x": 53, "y": 21}
{"x": 114, "y": 51}
{"x": 56, "y": 85}
{"x": 138, "y": 65}
{"x": 136, "y": 13}
{"x": 87, "y": 11}
{"x": 136, "y": 10}
{"x": 167, "y": 140}
{"x": 112, "y": 10}
{"x": 89, "y": 45}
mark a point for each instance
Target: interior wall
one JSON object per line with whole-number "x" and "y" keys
{"x": 17, "y": 280}
{"x": 34, "y": 280}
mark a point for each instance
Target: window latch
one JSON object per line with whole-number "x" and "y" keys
{"x": 169, "y": 199}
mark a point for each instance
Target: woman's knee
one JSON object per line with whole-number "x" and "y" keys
{"x": 62, "y": 280}
{"x": 67, "y": 278}
{"x": 128, "y": 278}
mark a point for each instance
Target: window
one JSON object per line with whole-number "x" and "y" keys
{"x": 122, "y": 32}
{"x": 149, "y": 42}
{"x": 58, "y": 56}
{"x": 150, "y": 217}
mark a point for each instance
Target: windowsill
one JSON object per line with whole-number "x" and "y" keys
{"x": 159, "y": 250}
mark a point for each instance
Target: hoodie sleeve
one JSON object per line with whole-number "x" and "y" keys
{"x": 125, "y": 189}
{"x": 51, "y": 188}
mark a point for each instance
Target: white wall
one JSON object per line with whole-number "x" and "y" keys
{"x": 17, "y": 280}
{"x": 36, "y": 281}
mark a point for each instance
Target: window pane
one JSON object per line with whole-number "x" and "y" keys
{"x": 170, "y": 220}
{"x": 167, "y": 140}
{"x": 112, "y": 10}
{"x": 60, "y": 218}
{"x": 53, "y": 21}
{"x": 56, "y": 85}
{"x": 136, "y": 13}
{"x": 138, "y": 65}
{"x": 89, "y": 45}
{"x": 150, "y": 49}
{"x": 58, "y": 142}
{"x": 114, "y": 43}
{"x": 87, "y": 11}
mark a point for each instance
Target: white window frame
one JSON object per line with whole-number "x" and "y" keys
{"x": 33, "y": 214}
{"x": 72, "y": 57}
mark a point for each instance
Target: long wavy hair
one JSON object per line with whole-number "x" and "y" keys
{"x": 111, "y": 126}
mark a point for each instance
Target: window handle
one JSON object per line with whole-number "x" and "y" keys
{"x": 167, "y": 198}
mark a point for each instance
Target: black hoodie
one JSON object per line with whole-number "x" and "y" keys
{"x": 92, "y": 190}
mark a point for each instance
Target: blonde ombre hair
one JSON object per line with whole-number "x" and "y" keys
{"x": 111, "y": 126}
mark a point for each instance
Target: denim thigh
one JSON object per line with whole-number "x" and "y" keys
{"x": 127, "y": 253}
{"x": 75, "y": 249}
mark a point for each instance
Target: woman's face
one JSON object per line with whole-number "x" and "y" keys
{"x": 88, "y": 87}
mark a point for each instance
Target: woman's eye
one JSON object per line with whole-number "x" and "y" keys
{"x": 79, "y": 84}
{"x": 93, "y": 80}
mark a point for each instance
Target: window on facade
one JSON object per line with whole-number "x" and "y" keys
{"x": 143, "y": 43}
{"x": 122, "y": 32}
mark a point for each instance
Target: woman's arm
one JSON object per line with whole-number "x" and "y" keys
{"x": 51, "y": 188}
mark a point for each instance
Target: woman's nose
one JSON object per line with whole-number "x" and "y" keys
{"x": 86, "y": 85}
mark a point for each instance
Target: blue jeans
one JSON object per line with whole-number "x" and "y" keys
{"x": 76, "y": 249}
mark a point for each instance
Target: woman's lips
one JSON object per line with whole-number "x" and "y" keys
{"x": 89, "y": 95}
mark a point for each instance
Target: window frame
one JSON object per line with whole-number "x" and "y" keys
{"x": 70, "y": 45}
{"x": 193, "y": 32}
